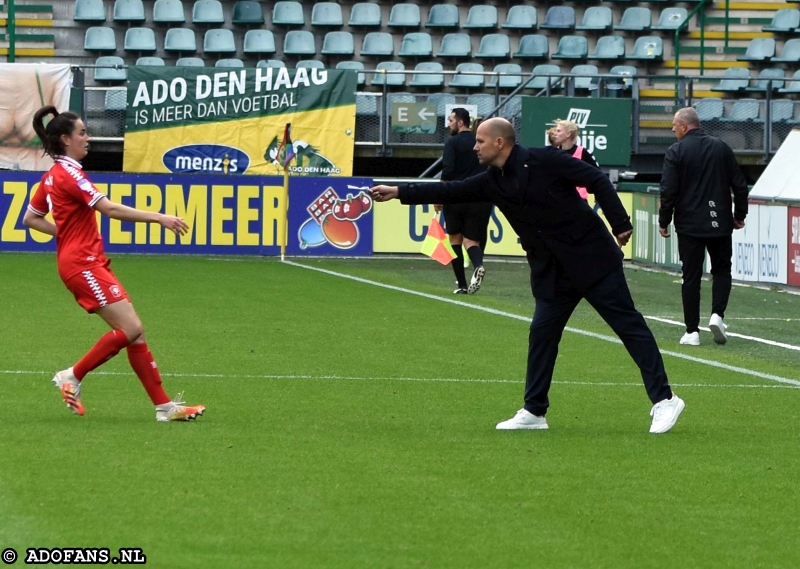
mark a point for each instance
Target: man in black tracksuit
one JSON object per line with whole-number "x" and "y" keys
{"x": 571, "y": 255}
{"x": 699, "y": 173}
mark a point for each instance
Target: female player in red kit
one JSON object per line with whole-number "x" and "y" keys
{"x": 82, "y": 264}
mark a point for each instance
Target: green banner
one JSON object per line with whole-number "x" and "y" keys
{"x": 605, "y": 124}
{"x": 213, "y": 121}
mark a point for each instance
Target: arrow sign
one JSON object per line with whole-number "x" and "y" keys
{"x": 413, "y": 118}
{"x": 425, "y": 114}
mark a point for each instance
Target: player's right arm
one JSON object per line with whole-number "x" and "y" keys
{"x": 37, "y": 209}
{"x": 125, "y": 213}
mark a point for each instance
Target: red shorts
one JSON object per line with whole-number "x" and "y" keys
{"x": 95, "y": 288}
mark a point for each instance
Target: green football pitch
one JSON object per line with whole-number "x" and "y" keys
{"x": 350, "y": 424}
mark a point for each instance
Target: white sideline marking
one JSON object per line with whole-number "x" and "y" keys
{"x": 603, "y": 337}
{"x": 732, "y": 334}
{"x": 415, "y": 379}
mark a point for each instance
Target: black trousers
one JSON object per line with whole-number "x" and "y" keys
{"x": 693, "y": 253}
{"x": 611, "y": 298}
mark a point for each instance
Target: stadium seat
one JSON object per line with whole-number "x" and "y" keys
{"x": 533, "y": 46}
{"x": 338, "y": 43}
{"x": 168, "y": 12}
{"x": 299, "y": 42}
{"x": 356, "y": 66}
{"x": 443, "y": 16}
{"x": 310, "y": 64}
{"x": 510, "y": 78}
{"x": 365, "y": 15}
{"x": 288, "y": 13}
{"x": 710, "y": 109}
{"x": 274, "y": 63}
{"x": 472, "y": 81}
{"x": 128, "y": 11}
{"x": 626, "y": 75}
{"x": 455, "y": 45}
{"x": 89, "y": 11}
{"x": 150, "y": 61}
{"x": 495, "y": 46}
{"x": 441, "y": 100}
{"x": 647, "y": 48}
{"x": 327, "y": 14}
{"x": 366, "y": 104}
{"x": 259, "y": 42}
{"x": 432, "y": 76}
{"x": 571, "y": 47}
{"x": 377, "y": 44}
{"x": 116, "y": 99}
{"x": 521, "y": 17}
{"x": 484, "y": 102}
{"x": 785, "y": 21}
{"x": 416, "y": 44}
{"x": 100, "y": 38}
{"x": 582, "y": 76}
{"x": 766, "y": 77}
{"x": 734, "y": 79}
{"x": 219, "y": 40}
{"x": 596, "y": 18}
{"x": 609, "y": 48}
{"x": 559, "y": 18}
{"x": 180, "y": 39}
{"x": 208, "y": 12}
{"x": 781, "y": 110}
{"x": 792, "y": 86}
{"x": 759, "y": 49}
{"x": 512, "y": 108}
{"x": 790, "y": 52}
{"x": 404, "y": 16}
{"x": 540, "y": 80}
{"x": 385, "y": 75}
{"x": 671, "y": 19}
{"x": 481, "y": 17}
{"x": 110, "y": 68}
{"x": 190, "y": 62}
{"x": 140, "y": 39}
{"x": 744, "y": 110}
{"x": 229, "y": 62}
{"x": 635, "y": 19}
{"x": 247, "y": 13}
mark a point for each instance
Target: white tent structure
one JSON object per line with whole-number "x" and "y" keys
{"x": 780, "y": 181}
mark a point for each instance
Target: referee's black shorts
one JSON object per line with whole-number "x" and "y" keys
{"x": 468, "y": 219}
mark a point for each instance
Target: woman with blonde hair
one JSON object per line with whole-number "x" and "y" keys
{"x": 565, "y": 136}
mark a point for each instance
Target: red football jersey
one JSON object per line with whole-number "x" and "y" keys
{"x": 70, "y": 196}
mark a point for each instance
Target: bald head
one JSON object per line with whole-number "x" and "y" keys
{"x": 494, "y": 141}
{"x": 685, "y": 119}
{"x": 497, "y": 127}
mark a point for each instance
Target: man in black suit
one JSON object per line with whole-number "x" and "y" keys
{"x": 571, "y": 255}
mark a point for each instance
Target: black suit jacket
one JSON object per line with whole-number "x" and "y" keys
{"x": 565, "y": 240}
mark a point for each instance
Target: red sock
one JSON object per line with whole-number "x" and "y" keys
{"x": 145, "y": 367}
{"x": 106, "y": 348}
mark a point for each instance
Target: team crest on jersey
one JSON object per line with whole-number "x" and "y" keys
{"x": 49, "y": 180}
{"x": 115, "y": 292}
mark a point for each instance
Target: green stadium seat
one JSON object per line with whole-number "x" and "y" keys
{"x": 559, "y": 18}
{"x": 571, "y": 47}
{"x": 596, "y": 18}
{"x": 150, "y": 61}
{"x": 140, "y": 39}
{"x": 355, "y": 66}
{"x": 327, "y": 14}
{"x": 180, "y": 39}
{"x": 385, "y": 75}
{"x": 766, "y": 77}
{"x": 338, "y": 43}
{"x": 116, "y": 99}
{"x": 404, "y": 16}
{"x": 792, "y": 86}
{"x": 455, "y": 44}
{"x": 208, "y": 12}
{"x": 229, "y": 62}
{"x": 512, "y": 109}
{"x": 432, "y": 76}
{"x": 274, "y": 63}
{"x": 671, "y": 19}
{"x": 744, "y": 110}
{"x": 781, "y": 110}
{"x": 110, "y": 68}
{"x": 100, "y": 38}
{"x": 366, "y": 104}
{"x": 443, "y": 16}
{"x": 582, "y": 76}
{"x": 128, "y": 11}
{"x": 168, "y": 12}
{"x": 309, "y": 64}
{"x": 540, "y": 79}
{"x": 790, "y": 52}
{"x": 288, "y": 13}
{"x": 481, "y": 17}
{"x": 260, "y": 42}
{"x": 609, "y": 48}
{"x": 247, "y": 13}
{"x": 647, "y": 48}
{"x": 635, "y": 19}
{"x": 377, "y": 44}
{"x": 416, "y": 44}
{"x": 219, "y": 40}
{"x": 441, "y": 100}
{"x": 785, "y": 21}
{"x": 494, "y": 46}
{"x": 521, "y": 17}
{"x": 299, "y": 42}
{"x": 734, "y": 79}
{"x": 365, "y": 15}
{"x": 759, "y": 49}
{"x": 468, "y": 81}
{"x": 510, "y": 78}
{"x": 190, "y": 62}
{"x": 89, "y": 11}
{"x": 710, "y": 109}
{"x": 484, "y": 102}
{"x": 533, "y": 46}
{"x": 626, "y": 75}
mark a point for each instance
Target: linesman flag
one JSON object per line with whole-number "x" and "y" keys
{"x": 437, "y": 244}
{"x": 286, "y": 148}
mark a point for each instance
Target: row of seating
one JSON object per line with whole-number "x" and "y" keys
{"x": 746, "y": 110}
{"x": 375, "y": 44}
{"x": 737, "y": 79}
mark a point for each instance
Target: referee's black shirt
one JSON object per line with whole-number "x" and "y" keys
{"x": 459, "y": 160}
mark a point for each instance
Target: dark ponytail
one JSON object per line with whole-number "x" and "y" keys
{"x": 50, "y": 135}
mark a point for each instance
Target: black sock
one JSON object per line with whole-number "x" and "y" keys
{"x": 458, "y": 266}
{"x": 475, "y": 256}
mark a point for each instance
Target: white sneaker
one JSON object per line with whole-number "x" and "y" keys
{"x": 523, "y": 420}
{"x": 718, "y": 328}
{"x": 665, "y": 414}
{"x": 70, "y": 389}
{"x": 692, "y": 339}
{"x": 477, "y": 280}
{"x": 177, "y": 410}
